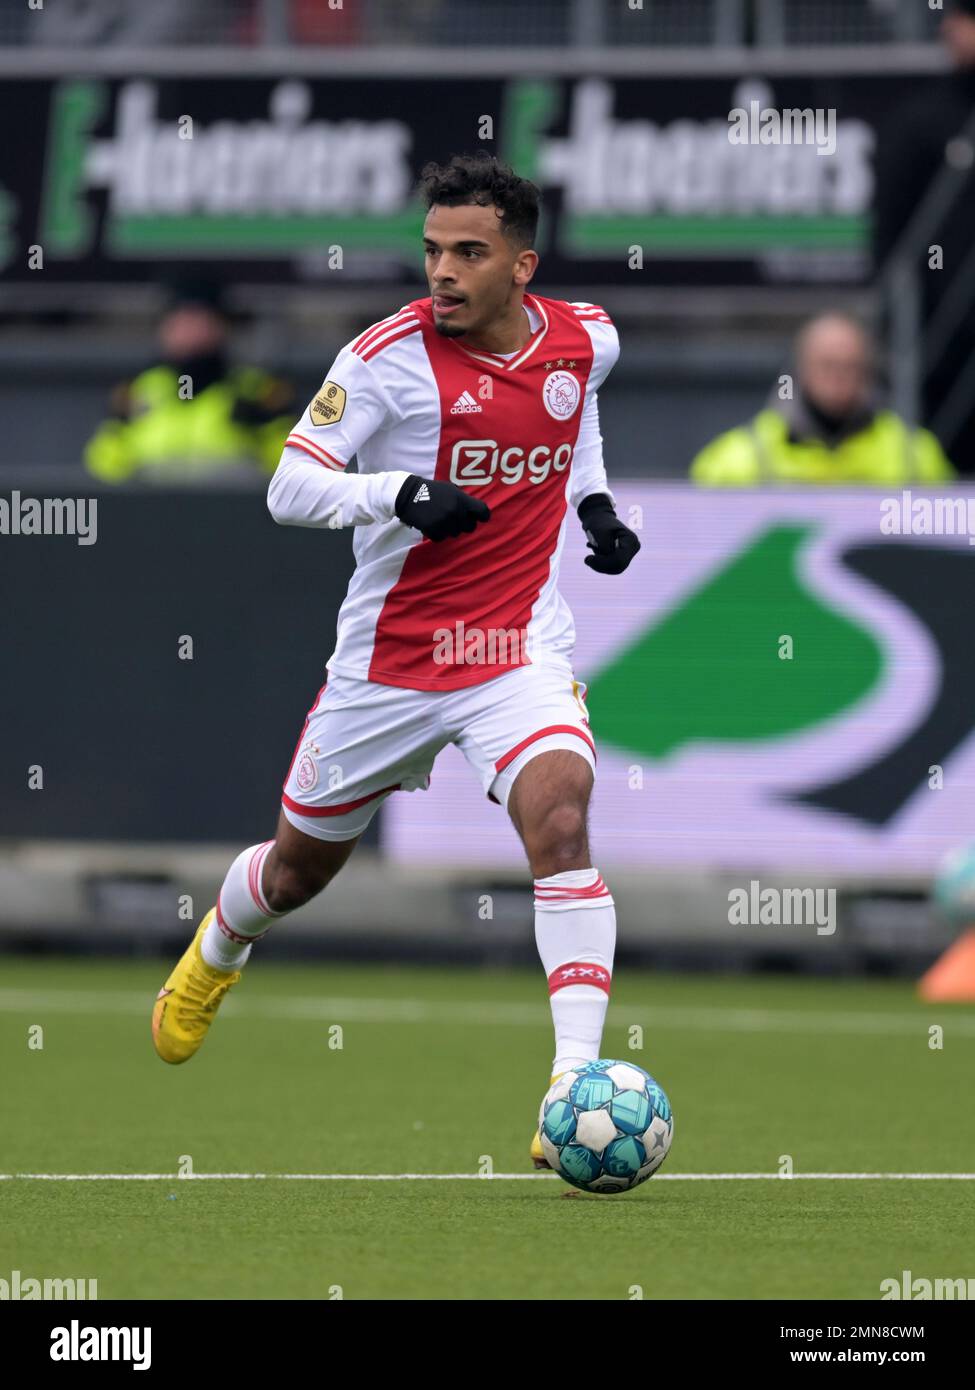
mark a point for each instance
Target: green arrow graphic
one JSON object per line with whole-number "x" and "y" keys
{"x": 67, "y": 222}
{"x": 711, "y": 669}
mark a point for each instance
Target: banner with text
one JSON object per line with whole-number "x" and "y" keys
{"x": 658, "y": 181}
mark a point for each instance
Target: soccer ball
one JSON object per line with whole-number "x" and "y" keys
{"x": 605, "y": 1126}
{"x": 954, "y": 886}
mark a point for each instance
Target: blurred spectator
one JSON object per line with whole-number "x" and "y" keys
{"x": 315, "y": 21}
{"x": 913, "y": 150}
{"x": 193, "y": 416}
{"x": 831, "y": 430}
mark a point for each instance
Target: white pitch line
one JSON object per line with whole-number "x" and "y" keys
{"x": 269, "y": 1177}
{"x": 473, "y": 1177}
{"x": 816, "y": 1177}
{"x": 492, "y": 1013}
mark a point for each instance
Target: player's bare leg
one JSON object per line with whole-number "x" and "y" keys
{"x": 264, "y": 883}
{"x": 298, "y": 866}
{"x": 575, "y": 920}
{"x": 548, "y": 806}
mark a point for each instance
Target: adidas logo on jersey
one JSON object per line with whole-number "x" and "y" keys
{"x": 465, "y": 404}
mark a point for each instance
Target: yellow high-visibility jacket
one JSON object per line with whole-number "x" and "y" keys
{"x": 885, "y": 453}
{"x": 158, "y": 434}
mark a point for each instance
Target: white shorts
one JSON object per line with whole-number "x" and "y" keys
{"x": 362, "y": 741}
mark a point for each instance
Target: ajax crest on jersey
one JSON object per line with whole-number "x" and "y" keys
{"x": 561, "y": 394}
{"x": 605, "y": 1126}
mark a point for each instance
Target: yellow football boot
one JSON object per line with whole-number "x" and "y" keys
{"x": 188, "y": 1001}
{"x": 536, "y": 1151}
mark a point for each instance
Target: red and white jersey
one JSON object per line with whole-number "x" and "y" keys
{"x": 519, "y": 431}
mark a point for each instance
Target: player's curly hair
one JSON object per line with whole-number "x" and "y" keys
{"x": 483, "y": 179}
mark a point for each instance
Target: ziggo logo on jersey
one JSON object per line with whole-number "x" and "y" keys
{"x": 475, "y": 461}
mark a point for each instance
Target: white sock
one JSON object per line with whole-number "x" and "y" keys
{"x": 242, "y": 916}
{"x": 575, "y": 930}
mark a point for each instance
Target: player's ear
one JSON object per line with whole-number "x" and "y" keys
{"x": 525, "y": 265}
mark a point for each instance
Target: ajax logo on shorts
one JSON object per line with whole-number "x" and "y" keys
{"x": 306, "y": 771}
{"x": 560, "y": 395}
{"x": 477, "y": 461}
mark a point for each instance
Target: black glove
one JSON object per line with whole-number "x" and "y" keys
{"x": 439, "y": 510}
{"x": 613, "y": 544}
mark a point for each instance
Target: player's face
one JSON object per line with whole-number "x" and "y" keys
{"x": 474, "y": 271}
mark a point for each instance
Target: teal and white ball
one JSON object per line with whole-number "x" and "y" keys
{"x": 953, "y": 891}
{"x": 606, "y": 1126}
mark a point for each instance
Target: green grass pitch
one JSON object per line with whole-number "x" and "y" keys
{"x": 439, "y": 1068}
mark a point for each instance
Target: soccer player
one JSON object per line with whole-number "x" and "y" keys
{"x": 473, "y": 417}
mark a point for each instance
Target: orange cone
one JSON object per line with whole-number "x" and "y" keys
{"x": 951, "y": 980}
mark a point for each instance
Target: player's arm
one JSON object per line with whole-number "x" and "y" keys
{"x": 613, "y": 544}
{"x": 304, "y": 492}
{"x": 310, "y": 486}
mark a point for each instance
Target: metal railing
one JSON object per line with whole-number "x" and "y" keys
{"x": 918, "y": 347}
{"x": 519, "y": 24}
